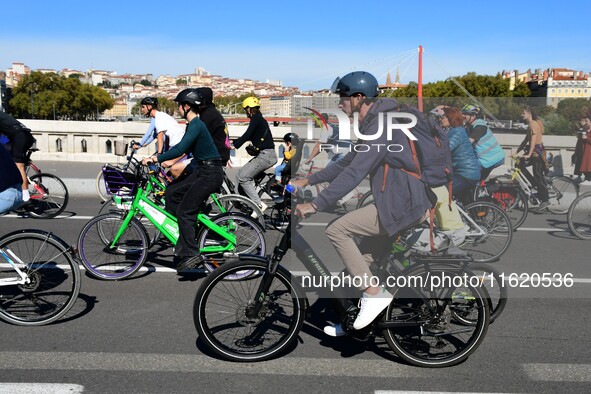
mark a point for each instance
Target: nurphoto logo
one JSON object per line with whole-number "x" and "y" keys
{"x": 344, "y": 130}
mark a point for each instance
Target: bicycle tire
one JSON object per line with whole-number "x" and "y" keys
{"x": 54, "y": 279}
{"x": 49, "y": 196}
{"x": 153, "y": 233}
{"x": 562, "y": 192}
{"x": 249, "y": 237}
{"x": 579, "y": 216}
{"x": 102, "y": 261}
{"x": 435, "y": 340}
{"x": 101, "y": 187}
{"x": 365, "y": 200}
{"x": 497, "y": 292}
{"x": 488, "y": 247}
{"x": 221, "y": 322}
{"x": 508, "y": 197}
{"x": 237, "y": 203}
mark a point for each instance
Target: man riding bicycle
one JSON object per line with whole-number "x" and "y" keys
{"x": 401, "y": 198}
{"x": 21, "y": 140}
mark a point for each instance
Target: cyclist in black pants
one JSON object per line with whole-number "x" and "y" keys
{"x": 186, "y": 194}
{"x": 216, "y": 124}
{"x": 21, "y": 140}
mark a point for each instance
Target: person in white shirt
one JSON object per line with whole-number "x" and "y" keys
{"x": 166, "y": 127}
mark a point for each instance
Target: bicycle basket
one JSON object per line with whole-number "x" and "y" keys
{"x": 120, "y": 148}
{"x": 118, "y": 181}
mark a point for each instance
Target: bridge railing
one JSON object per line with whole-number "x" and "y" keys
{"x": 95, "y": 142}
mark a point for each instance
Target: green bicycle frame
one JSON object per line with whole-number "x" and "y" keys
{"x": 167, "y": 224}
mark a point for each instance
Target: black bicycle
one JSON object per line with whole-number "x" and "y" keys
{"x": 259, "y": 317}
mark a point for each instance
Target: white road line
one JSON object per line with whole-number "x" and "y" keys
{"x": 57, "y": 217}
{"x": 193, "y": 363}
{"x": 293, "y": 366}
{"x": 308, "y": 224}
{"x": 427, "y": 392}
{"x": 167, "y": 270}
{"x": 46, "y": 388}
{"x": 541, "y": 229}
{"x": 558, "y": 372}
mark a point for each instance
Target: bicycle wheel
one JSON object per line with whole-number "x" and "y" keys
{"x": 562, "y": 191}
{"x": 510, "y": 198}
{"x": 53, "y": 278}
{"x": 112, "y": 263}
{"x": 428, "y": 336}
{"x": 366, "y": 199}
{"x": 221, "y": 305}
{"x": 236, "y": 203}
{"x": 497, "y": 293}
{"x": 49, "y": 196}
{"x": 351, "y": 201}
{"x": 110, "y": 206}
{"x": 490, "y": 232}
{"x": 249, "y": 240}
{"x": 579, "y": 216}
{"x": 101, "y": 187}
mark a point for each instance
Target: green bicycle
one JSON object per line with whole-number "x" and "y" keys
{"x": 121, "y": 200}
{"x": 115, "y": 245}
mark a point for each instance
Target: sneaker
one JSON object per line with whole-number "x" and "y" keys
{"x": 543, "y": 205}
{"x": 188, "y": 263}
{"x": 263, "y": 206}
{"x": 335, "y": 331}
{"x": 370, "y": 306}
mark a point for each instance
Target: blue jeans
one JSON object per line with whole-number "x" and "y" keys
{"x": 278, "y": 170}
{"x": 11, "y": 198}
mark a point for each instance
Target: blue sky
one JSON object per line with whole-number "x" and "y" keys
{"x": 303, "y": 43}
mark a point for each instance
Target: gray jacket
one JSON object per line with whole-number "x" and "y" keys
{"x": 404, "y": 199}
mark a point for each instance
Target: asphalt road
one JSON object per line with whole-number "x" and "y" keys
{"x": 138, "y": 335}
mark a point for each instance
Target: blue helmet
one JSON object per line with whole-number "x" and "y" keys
{"x": 356, "y": 82}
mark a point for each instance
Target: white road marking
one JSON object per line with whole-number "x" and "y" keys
{"x": 45, "y": 388}
{"x": 298, "y": 366}
{"x": 427, "y": 392}
{"x": 558, "y": 372}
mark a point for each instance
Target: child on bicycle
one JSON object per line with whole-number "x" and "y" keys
{"x": 291, "y": 140}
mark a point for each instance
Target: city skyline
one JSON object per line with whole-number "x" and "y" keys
{"x": 304, "y": 44}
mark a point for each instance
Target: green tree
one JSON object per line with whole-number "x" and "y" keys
{"x": 572, "y": 110}
{"x": 145, "y": 82}
{"x": 40, "y": 96}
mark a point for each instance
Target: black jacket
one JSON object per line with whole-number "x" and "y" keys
{"x": 218, "y": 129}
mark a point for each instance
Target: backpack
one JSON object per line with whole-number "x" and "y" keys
{"x": 430, "y": 151}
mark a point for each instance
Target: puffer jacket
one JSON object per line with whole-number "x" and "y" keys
{"x": 464, "y": 160}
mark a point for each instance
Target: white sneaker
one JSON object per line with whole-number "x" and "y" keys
{"x": 370, "y": 306}
{"x": 263, "y": 206}
{"x": 335, "y": 331}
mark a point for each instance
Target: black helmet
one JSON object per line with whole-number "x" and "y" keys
{"x": 206, "y": 94}
{"x": 153, "y": 101}
{"x": 356, "y": 82}
{"x": 189, "y": 96}
{"x": 291, "y": 138}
